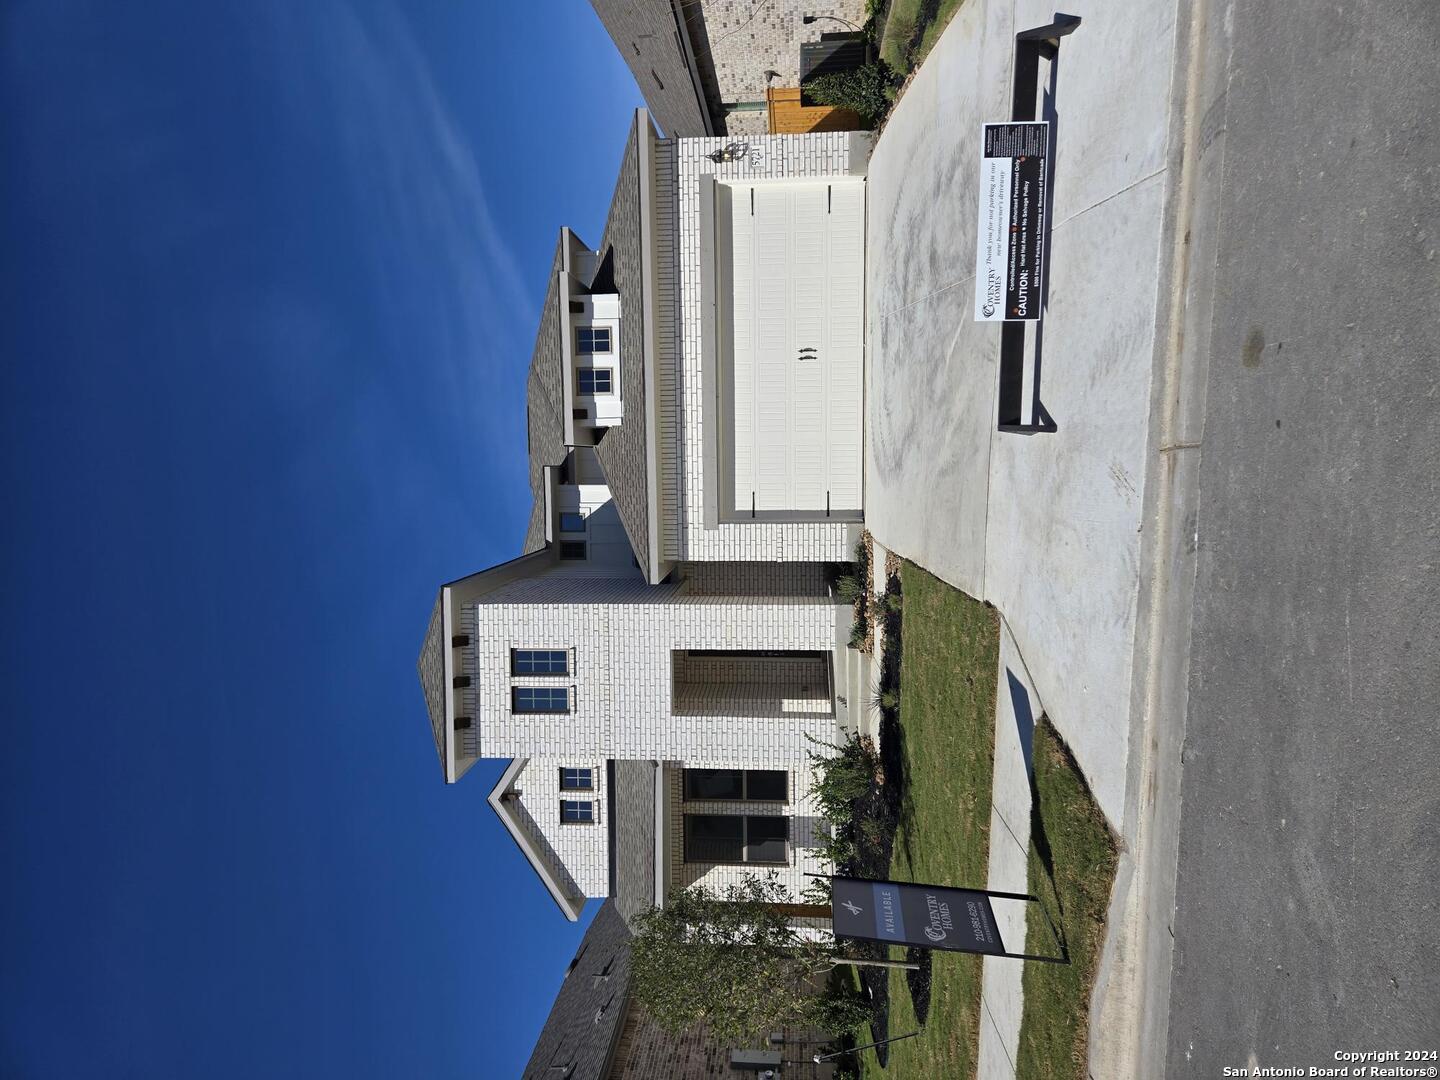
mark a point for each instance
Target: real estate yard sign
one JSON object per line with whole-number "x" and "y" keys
{"x": 1010, "y": 241}
{"x": 901, "y": 913}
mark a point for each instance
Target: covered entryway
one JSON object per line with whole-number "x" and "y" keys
{"x": 791, "y": 326}
{"x": 740, "y": 682}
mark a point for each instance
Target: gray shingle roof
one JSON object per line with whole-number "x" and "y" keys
{"x": 622, "y": 450}
{"x": 648, "y": 37}
{"x": 589, "y": 1010}
{"x": 545, "y": 404}
{"x": 633, "y": 812}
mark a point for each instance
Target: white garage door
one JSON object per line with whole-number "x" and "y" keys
{"x": 797, "y": 306}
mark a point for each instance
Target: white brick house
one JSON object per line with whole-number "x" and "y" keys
{"x": 657, "y": 662}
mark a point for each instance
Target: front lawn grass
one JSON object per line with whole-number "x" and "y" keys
{"x": 911, "y": 29}
{"x": 1072, "y": 868}
{"x": 945, "y": 742}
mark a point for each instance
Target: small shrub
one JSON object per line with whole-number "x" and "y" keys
{"x": 857, "y": 636}
{"x": 865, "y": 90}
{"x": 841, "y": 1010}
{"x": 893, "y": 602}
{"x": 818, "y": 892}
{"x": 844, "y": 777}
{"x": 849, "y": 588}
{"x": 839, "y": 850}
{"x": 885, "y": 700}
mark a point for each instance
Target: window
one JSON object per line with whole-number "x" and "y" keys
{"x": 757, "y": 785}
{"x": 733, "y": 838}
{"x": 577, "y": 813}
{"x": 539, "y": 662}
{"x": 593, "y": 380}
{"x": 572, "y": 550}
{"x": 592, "y": 339}
{"x": 577, "y": 780}
{"x": 540, "y": 699}
{"x": 572, "y": 523}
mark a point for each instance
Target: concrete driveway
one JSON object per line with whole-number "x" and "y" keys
{"x": 1047, "y": 527}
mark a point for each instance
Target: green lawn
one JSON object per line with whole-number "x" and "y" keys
{"x": 1074, "y": 889}
{"x": 949, "y": 668}
{"x": 911, "y": 29}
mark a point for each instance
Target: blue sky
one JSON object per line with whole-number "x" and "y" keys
{"x": 271, "y": 272}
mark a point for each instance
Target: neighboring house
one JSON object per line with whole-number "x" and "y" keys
{"x": 659, "y": 660}
{"x": 596, "y": 1032}
{"x": 704, "y": 66}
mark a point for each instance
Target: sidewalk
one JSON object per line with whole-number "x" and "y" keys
{"x": 1017, "y": 709}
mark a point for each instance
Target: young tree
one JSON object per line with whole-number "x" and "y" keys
{"x": 733, "y": 962}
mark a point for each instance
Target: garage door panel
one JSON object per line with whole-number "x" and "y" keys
{"x": 797, "y": 275}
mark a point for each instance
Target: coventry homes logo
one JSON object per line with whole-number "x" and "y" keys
{"x": 993, "y": 285}
{"x": 940, "y": 924}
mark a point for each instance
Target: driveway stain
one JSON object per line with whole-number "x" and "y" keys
{"x": 1254, "y": 346}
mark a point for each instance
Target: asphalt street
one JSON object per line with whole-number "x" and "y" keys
{"x": 1307, "y": 913}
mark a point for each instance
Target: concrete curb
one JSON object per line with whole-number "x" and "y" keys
{"x": 1130, "y": 1004}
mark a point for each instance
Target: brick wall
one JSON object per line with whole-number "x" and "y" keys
{"x": 746, "y": 38}
{"x": 755, "y": 579}
{"x": 625, "y": 634}
{"x": 679, "y": 385}
{"x": 582, "y": 849}
{"x": 751, "y": 686}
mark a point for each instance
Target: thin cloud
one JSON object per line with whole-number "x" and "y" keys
{"x": 435, "y": 240}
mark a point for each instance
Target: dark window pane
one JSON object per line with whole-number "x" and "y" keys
{"x": 766, "y": 840}
{"x": 572, "y": 523}
{"x": 530, "y": 699}
{"x": 767, "y": 785}
{"x": 576, "y": 811}
{"x": 714, "y": 838}
{"x": 539, "y": 661}
{"x": 593, "y": 381}
{"x": 714, "y": 784}
{"x": 576, "y": 779}
{"x": 572, "y": 549}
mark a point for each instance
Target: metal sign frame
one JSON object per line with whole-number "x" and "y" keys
{"x": 934, "y": 897}
{"x": 1030, "y": 46}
